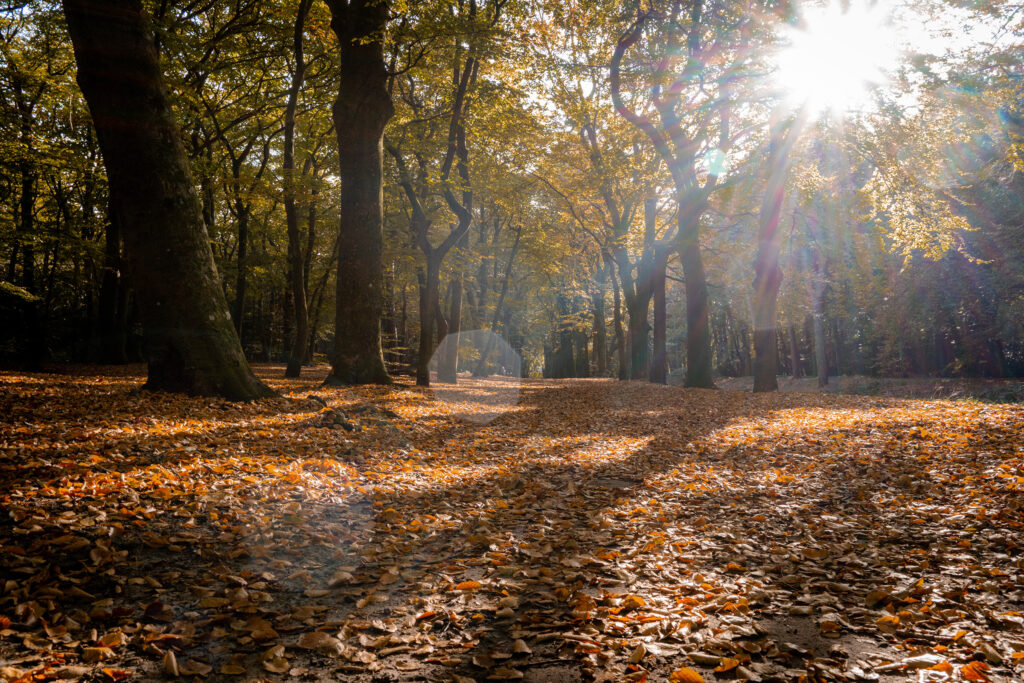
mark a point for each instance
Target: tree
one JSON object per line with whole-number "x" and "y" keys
{"x": 361, "y": 111}
{"x": 191, "y": 345}
{"x": 296, "y": 274}
{"x": 767, "y": 273}
{"x": 682, "y": 83}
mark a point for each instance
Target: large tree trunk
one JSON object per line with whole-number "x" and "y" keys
{"x": 191, "y": 345}
{"x": 296, "y": 270}
{"x": 361, "y": 110}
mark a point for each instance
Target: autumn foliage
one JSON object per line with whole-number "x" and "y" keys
{"x": 595, "y": 531}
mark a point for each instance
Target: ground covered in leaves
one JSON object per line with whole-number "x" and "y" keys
{"x": 597, "y": 530}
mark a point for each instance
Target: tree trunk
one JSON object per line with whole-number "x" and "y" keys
{"x": 307, "y": 267}
{"x": 448, "y": 364}
{"x": 481, "y": 365}
{"x": 600, "y": 329}
{"x": 563, "y": 359}
{"x": 111, "y": 330}
{"x": 390, "y": 320}
{"x": 620, "y": 335}
{"x": 429, "y": 295}
{"x": 794, "y": 354}
{"x": 767, "y": 272}
{"x": 820, "y": 358}
{"x": 27, "y": 205}
{"x": 242, "y": 276}
{"x": 361, "y": 110}
{"x": 698, "y": 333}
{"x": 296, "y": 278}
{"x": 191, "y": 345}
{"x": 659, "y": 359}
{"x": 767, "y": 280}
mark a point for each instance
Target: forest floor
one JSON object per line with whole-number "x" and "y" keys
{"x": 955, "y": 388}
{"x": 594, "y": 530}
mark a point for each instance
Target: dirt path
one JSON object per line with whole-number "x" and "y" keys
{"x": 595, "y": 530}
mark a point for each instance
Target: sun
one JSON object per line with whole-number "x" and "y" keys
{"x": 833, "y": 59}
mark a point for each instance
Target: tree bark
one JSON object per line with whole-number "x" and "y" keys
{"x": 620, "y": 335}
{"x": 448, "y": 363}
{"x": 361, "y": 110}
{"x": 429, "y": 295}
{"x": 481, "y": 365}
{"x": 698, "y": 332}
{"x": 191, "y": 345}
{"x": 820, "y": 357}
{"x": 659, "y": 359}
{"x": 242, "y": 274}
{"x": 296, "y": 270}
{"x": 600, "y": 328}
{"x": 767, "y": 272}
{"x": 794, "y": 354}
{"x": 111, "y": 324}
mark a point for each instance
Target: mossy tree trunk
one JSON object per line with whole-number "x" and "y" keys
{"x": 361, "y": 110}
{"x": 191, "y": 345}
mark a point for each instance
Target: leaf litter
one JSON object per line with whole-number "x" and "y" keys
{"x": 598, "y": 530}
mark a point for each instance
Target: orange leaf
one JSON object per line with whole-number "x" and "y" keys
{"x": 468, "y": 586}
{"x": 686, "y": 675}
{"x": 975, "y": 671}
{"x": 633, "y": 601}
{"x": 728, "y": 664}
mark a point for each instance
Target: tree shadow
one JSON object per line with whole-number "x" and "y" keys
{"x": 550, "y": 490}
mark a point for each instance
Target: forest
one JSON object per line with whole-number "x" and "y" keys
{"x": 614, "y": 190}
{"x": 583, "y": 340}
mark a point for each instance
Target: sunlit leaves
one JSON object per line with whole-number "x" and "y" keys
{"x": 625, "y": 531}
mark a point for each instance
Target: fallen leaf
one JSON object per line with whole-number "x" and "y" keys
{"x": 686, "y": 675}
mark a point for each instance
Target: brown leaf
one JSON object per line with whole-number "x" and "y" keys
{"x": 170, "y": 663}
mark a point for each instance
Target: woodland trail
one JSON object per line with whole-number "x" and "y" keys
{"x": 596, "y": 530}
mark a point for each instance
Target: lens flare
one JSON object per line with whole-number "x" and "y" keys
{"x": 831, "y": 61}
